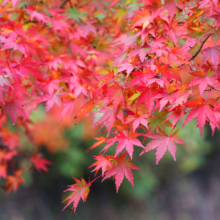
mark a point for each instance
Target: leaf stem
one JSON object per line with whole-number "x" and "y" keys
{"x": 94, "y": 179}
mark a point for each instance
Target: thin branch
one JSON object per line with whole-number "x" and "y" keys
{"x": 193, "y": 65}
{"x": 203, "y": 42}
{"x": 181, "y": 65}
{"x": 63, "y": 3}
{"x": 212, "y": 88}
{"x": 170, "y": 67}
{"x": 71, "y": 5}
{"x": 95, "y": 179}
{"x": 194, "y": 56}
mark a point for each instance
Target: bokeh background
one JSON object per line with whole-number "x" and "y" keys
{"x": 187, "y": 189}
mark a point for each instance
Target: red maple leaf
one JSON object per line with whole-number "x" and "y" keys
{"x": 10, "y": 139}
{"x": 54, "y": 99}
{"x": 162, "y": 143}
{"x": 80, "y": 190}
{"x": 35, "y": 14}
{"x": 212, "y": 53}
{"x": 144, "y": 18}
{"x": 13, "y": 108}
{"x": 141, "y": 52}
{"x": 174, "y": 96}
{"x": 103, "y": 162}
{"x": 125, "y": 141}
{"x": 177, "y": 113}
{"x": 109, "y": 117}
{"x": 40, "y": 163}
{"x": 146, "y": 97}
{"x": 84, "y": 110}
{"x": 138, "y": 120}
{"x": 203, "y": 111}
{"x": 216, "y": 15}
{"x": 14, "y": 43}
{"x": 59, "y": 23}
{"x": 7, "y": 155}
{"x": 202, "y": 80}
{"x": 100, "y": 141}
{"x": 114, "y": 95}
{"x": 13, "y": 181}
{"x": 128, "y": 67}
{"x": 120, "y": 170}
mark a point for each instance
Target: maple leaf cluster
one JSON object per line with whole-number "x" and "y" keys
{"x": 52, "y": 53}
{"x": 138, "y": 67}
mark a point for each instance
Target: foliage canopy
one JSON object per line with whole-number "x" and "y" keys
{"x": 138, "y": 67}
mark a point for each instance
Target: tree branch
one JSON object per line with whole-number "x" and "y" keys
{"x": 212, "y": 88}
{"x": 203, "y": 42}
{"x": 193, "y": 65}
{"x": 63, "y": 3}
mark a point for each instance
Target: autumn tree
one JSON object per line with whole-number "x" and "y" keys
{"x": 140, "y": 68}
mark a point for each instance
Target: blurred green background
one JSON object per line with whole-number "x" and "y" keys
{"x": 187, "y": 189}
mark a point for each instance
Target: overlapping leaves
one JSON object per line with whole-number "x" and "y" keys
{"x": 136, "y": 67}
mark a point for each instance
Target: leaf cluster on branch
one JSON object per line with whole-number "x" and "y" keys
{"x": 138, "y": 67}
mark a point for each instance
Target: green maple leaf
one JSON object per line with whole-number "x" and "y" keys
{"x": 75, "y": 14}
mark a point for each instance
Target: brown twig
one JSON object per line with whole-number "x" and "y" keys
{"x": 203, "y": 42}
{"x": 212, "y": 88}
{"x": 194, "y": 56}
{"x": 170, "y": 67}
{"x": 64, "y": 2}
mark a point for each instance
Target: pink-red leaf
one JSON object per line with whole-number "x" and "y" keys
{"x": 162, "y": 142}
{"x": 102, "y": 162}
{"x": 40, "y": 163}
{"x": 212, "y": 53}
{"x": 203, "y": 110}
{"x": 121, "y": 170}
{"x": 13, "y": 108}
{"x": 80, "y": 191}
